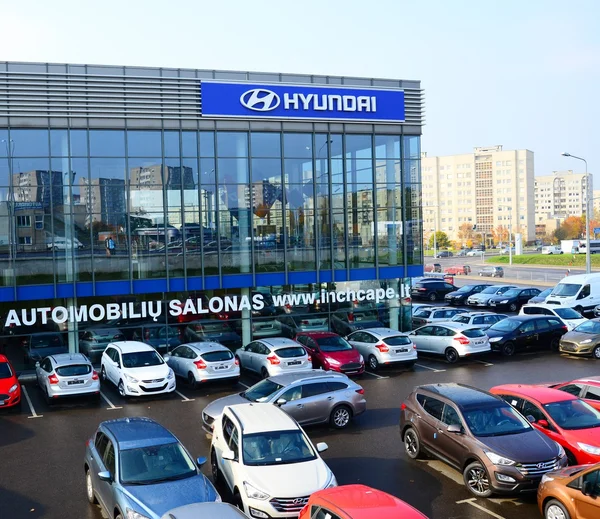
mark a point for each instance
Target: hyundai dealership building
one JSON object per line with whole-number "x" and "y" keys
{"x": 169, "y": 204}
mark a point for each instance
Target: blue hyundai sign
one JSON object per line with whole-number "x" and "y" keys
{"x": 280, "y": 101}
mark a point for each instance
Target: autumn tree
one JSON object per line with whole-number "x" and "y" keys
{"x": 442, "y": 240}
{"x": 500, "y": 234}
{"x": 573, "y": 227}
{"x": 465, "y": 232}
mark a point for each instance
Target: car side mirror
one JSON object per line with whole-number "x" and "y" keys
{"x": 37, "y": 364}
{"x": 281, "y": 401}
{"x": 587, "y": 489}
{"x": 228, "y": 455}
{"x": 543, "y": 423}
{"x": 105, "y": 475}
{"x": 200, "y": 461}
{"x": 456, "y": 429}
{"x": 322, "y": 447}
{"x": 530, "y": 418}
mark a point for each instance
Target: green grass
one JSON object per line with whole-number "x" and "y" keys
{"x": 559, "y": 260}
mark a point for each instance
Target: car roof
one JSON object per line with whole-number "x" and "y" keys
{"x": 544, "y": 395}
{"x": 453, "y": 325}
{"x": 528, "y": 317}
{"x": 4, "y": 359}
{"x": 203, "y": 347}
{"x": 581, "y": 278}
{"x": 463, "y": 396}
{"x": 64, "y": 359}
{"x": 475, "y": 314}
{"x": 262, "y": 417}
{"x": 285, "y": 379}
{"x": 135, "y": 432}
{"x": 383, "y": 332}
{"x": 278, "y": 342}
{"x": 595, "y": 381}
{"x": 318, "y": 335}
{"x": 209, "y": 509}
{"x": 131, "y": 346}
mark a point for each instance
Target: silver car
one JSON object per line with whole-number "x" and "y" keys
{"x": 198, "y": 510}
{"x": 94, "y": 341}
{"x": 310, "y": 397}
{"x": 67, "y": 375}
{"x": 481, "y": 320}
{"x": 200, "y": 362}
{"x": 434, "y": 314}
{"x": 383, "y": 346}
{"x": 483, "y": 298}
{"x": 269, "y": 357}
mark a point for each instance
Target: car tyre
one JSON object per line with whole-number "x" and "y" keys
{"x": 555, "y": 344}
{"x": 596, "y": 353}
{"x": 554, "y": 509}
{"x": 451, "y": 355}
{"x": 481, "y": 274}
{"x": 119, "y": 516}
{"x": 373, "y": 363}
{"x": 264, "y": 372}
{"x": 237, "y": 500}
{"x": 340, "y": 417}
{"x": 477, "y": 480}
{"x": 89, "y": 486}
{"x": 433, "y": 296}
{"x": 508, "y": 349}
{"x": 214, "y": 468}
{"x": 513, "y": 307}
{"x": 412, "y": 444}
{"x": 121, "y": 389}
{"x": 103, "y": 375}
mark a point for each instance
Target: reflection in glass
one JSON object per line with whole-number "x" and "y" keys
{"x": 411, "y": 147}
{"x": 144, "y": 143}
{"x": 189, "y": 144}
{"x": 358, "y": 147}
{"x": 78, "y": 143}
{"x": 207, "y": 144}
{"x": 29, "y": 143}
{"x": 387, "y": 147}
{"x": 107, "y": 143}
{"x": 299, "y": 145}
{"x": 171, "y": 143}
{"x": 231, "y": 144}
{"x": 59, "y": 143}
{"x": 265, "y": 144}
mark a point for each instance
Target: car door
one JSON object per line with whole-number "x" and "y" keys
{"x": 231, "y": 438}
{"x": 440, "y": 339}
{"x": 592, "y": 396}
{"x": 42, "y": 372}
{"x": 294, "y": 405}
{"x": 526, "y": 335}
{"x": 117, "y": 366}
{"x": 97, "y": 465}
{"x": 544, "y": 333}
{"x": 110, "y": 463}
{"x": 316, "y": 402}
{"x": 423, "y": 337}
{"x": 109, "y": 363}
{"x": 452, "y": 445}
{"x": 174, "y": 359}
{"x": 245, "y": 355}
{"x": 360, "y": 341}
{"x": 588, "y": 506}
{"x": 447, "y": 288}
{"x": 259, "y": 357}
{"x": 428, "y": 420}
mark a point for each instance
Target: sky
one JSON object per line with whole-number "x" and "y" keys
{"x": 520, "y": 73}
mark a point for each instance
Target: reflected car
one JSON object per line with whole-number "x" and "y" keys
{"x": 588, "y": 389}
{"x": 10, "y": 389}
{"x": 293, "y": 324}
{"x": 67, "y": 375}
{"x": 40, "y": 345}
{"x": 329, "y": 351}
{"x": 584, "y": 340}
{"x": 129, "y": 462}
{"x": 161, "y": 337}
{"x": 483, "y": 298}
{"x": 268, "y": 357}
{"x": 524, "y": 332}
{"x": 94, "y": 341}
{"x": 209, "y": 330}
{"x": 444, "y": 254}
{"x": 344, "y": 322}
{"x": 434, "y": 314}
{"x": 460, "y": 296}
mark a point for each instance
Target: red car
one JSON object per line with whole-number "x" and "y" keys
{"x": 357, "y": 502}
{"x": 588, "y": 389}
{"x": 566, "y": 419}
{"x": 331, "y": 352}
{"x": 10, "y": 389}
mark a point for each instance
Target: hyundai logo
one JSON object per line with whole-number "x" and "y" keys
{"x": 298, "y": 501}
{"x": 260, "y": 100}
{"x": 541, "y": 465}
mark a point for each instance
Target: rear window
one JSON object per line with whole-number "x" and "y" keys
{"x": 397, "y": 340}
{"x": 293, "y": 351}
{"x": 76, "y": 370}
{"x": 474, "y": 332}
{"x": 217, "y": 356}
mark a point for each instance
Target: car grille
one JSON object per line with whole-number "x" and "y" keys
{"x": 155, "y": 381}
{"x": 538, "y": 469}
{"x": 4, "y": 397}
{"x": 208, "y": 420}
{"x": 153, "y": 389}
{"x": 568, "y": 346}
{"x": 352, "y": 366}
{"x": 289, "y": 504}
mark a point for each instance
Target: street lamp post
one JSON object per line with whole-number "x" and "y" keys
{"x": 588, "y": 258}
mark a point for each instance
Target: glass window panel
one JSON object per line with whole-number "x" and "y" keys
{"x": 387, "y": 146}
{"x": 360, "y": 197}
{"x": 232, "y": 144}
{"x": 335, "y": 146}
{"x": 4, "y": 176}
{"x": 337, "y": 171}
{"x": 266, "y": 170}
{"x": 78, "y": 144}
{"x": 144, "y": 143}
{"x": 361, "y": 239}
{"x": 389, "y": 195}
{"x": 299, "y": 196}
{"x": 29, "y": 143}
{"x": 207, "y": 171}
{"x": 59, "y": 143}
{"x": 300, "y": 145}
{"x": 359, "y": 171}
{"x": 412, "y": 171}
{"x": 233, "y": 171}
{"x": 189, "y": 144}
{"x": 3, "y": 142}
{"x": 324, "y": 238}
{"x": 298, "y": 170}
{"x": 389, "y": 236}
{"x": 268, "y": 238}
{"x": 171, "y": 143}
{"x": 359, "y": 146}
{"x": 413, "y": 195}
{"x": 339, "y": 240}
{"x": 265, "y": 144}
{"x": 411, "y": 147}
{"x": 337, "y": 197}
{"x": 207, "y": 144}
{"x": 300, "y": 239}
{"x": 109, "y": 170}
{"x": 235, "y": 229}
{"x": 107, "y": 143}
{"x": 387, "y": 171}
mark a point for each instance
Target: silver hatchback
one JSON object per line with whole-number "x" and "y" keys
{"x": 67, "y": 375}
{"x": 269, "y": 357}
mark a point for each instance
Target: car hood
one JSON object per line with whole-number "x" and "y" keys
{"x": 567, "y": 472}
{"x": 215, "y": 408}
{"x": 501, "y": 298}
{"x": 590, "y": 436}
{"x": 573, "y": 323}
{"x": 309, "y": 476}
{"x": 149, "y": 372}
{"x": 481, "y": 297}
{"x": 577, "y": 337}
{"x": 457, "y": 294}
{"x": 155, "y": 500}
{"x": 218, "y": 336}
{"x": 6, "y": 384}
{"x": 342, "y": 357}
{"x": 528, "y": 447}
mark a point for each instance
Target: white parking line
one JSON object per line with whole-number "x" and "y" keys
{"x": 432, "y": 369}
{"x": 374, "y": 374}
{"x": 482, "y": 362}
{"x": 33, "y": 413}
{"x": 112, "y": 406}
{"x": 242, "y": 384}
{"x": 477, "y": 505}
{"x": 185, "y": 398}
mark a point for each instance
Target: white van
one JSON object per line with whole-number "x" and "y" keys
{"x": 580, "y": 292}
{"x": 551, "y": 249}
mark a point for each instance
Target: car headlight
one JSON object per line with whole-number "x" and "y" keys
{"x": 587, "y": 341}
{"x": 496, "y": 459}
{"x": 254, "y": 493}
{"x": 13, "y": 388}
{"x": 132, "y": 514}
{"x": 546, "y": 478}
{"x": 130, "y": 378}
{"x": 171, "y": 375}
{"x": 590, "y": 449}
{"x": 333, "y": 362}
{"x": 495, "y": 339}
{"x": 504, "y": 301}
{"x": 561, "y": 451}
{"x": 332, "y": 482}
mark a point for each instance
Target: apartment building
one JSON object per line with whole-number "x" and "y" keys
{"x": 561, "y": 194}
{"x": 490, "y": 187}
{"x": 596, "y": 202}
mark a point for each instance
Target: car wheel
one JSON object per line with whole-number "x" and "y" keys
{"x": 412, "y": 444}
{"x": 119, "y": 516}
{"x": 237, "y": 500}
{"x": 121, "y": 388}
{"x": 451, "y": 355}
{"x": 340, "y": 417}
{"x": 433, "y": 296}
{"x": 89, "y": 487}
{"x": 264, "y": 373}
{"x": 191, "y": 380}
{"x": 508, "y": 349}
{"x": 554, "y": 509}
{"x": 373, "y": 363}
{"x": 554, "y": 343}
{"x": 477, "y": 480}
{"x": 513, "y": 307}
{"x": 103, "y": 374}
{"x": 214, "y": 468}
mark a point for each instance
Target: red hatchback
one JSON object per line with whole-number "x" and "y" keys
{"x": 357, "y": 502}
{"x": 331, "y": 352}
{"x": 588, "y": 389}
{"x": 568, "y": 420}
{"x": 10, "y": 389}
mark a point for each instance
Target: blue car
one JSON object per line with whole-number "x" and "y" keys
{"x": 137, "y": 469}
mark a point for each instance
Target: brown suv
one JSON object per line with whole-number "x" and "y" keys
{"x": 496, "y": 449}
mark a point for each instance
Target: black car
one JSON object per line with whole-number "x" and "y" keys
{"x": 460, "y": 296}
{"x": 41, "y": 345}
{"x": 526, "y": 331}
{"x": 513, "y": 299}
{"x": 444, "y": 254}
{"x": 212, "y": 331}
{"x": 432, "y": 289}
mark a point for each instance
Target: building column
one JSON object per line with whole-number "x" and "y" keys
{"x": 244, "y": 222}
{"x": 390, "y": 173}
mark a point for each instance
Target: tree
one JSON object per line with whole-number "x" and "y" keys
{"x": 500, "y": 234}
{"x": 560, "y": 234}
{"x": 465, "y": 232}
{"x": 573, "y": 227}
{"x": 441, "y": 238}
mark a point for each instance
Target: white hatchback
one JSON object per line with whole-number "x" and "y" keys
{"x": 567, "y": 315}
{"x": 383, "y": 346}
{"x": 274, "y": 356}
{"x": 136, "y": 369}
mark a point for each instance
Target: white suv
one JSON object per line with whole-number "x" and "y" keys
{"x": 267, "y": 460}
{"x": 136, "y": 369}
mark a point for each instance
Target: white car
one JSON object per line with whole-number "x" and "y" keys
{"x": 267, "y": 461}
{"x": 60, "y": 243}
{"x": 383, "y": 346}
{"x": 567, "y": 315}
{"x": 66, "y": 375}
{"x": 273, "y": 356}
{"x": 136, "y": 369}
{"x": 200, "y": 362}
{"x": 472, "y": 253}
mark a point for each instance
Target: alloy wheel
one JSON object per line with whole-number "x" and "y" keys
{"x": 341, "y": 417}
{"x": 597, "y": 352}
{"x": 477, "y": 480}
{"x": 373, "y": 363}
{"x": 411, "y": 443}
{"x": 555, "y": 512}
{"x": 121, "y": 388}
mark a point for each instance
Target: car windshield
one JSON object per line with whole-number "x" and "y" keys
{"x": 490, "y": 290}
{"x": 75, "y": 370}
{"x": 329, "y": 344}
{"x": 573, "y": 414}
{"x": 423, "y": 313}
{"x": 592, "y": 327}
{"x": 46, "y": 341}
{"x": 397, "y": 340}
{"x": 506, "y": 325}
{"x": 497, "y": 420}
{"x": 5, "y": 371}
{"x": 141, "y": 359}
{"x": 262, "y": 391}
{"x": 276, "y": 448}
{"x": 290, "y": 352}
{"x": 566, "y": 289}
{"x": 149, "y": 465}
{"x": 217, "y": 356}
{"x": 512, "y": 292}
{"x": 466, "y": 288}
{"x": 567, "y": 313}
{"x": 544, "y": 293}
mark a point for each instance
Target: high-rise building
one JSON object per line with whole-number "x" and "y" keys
{"x": 491, "y": 188}
{"x": 104, "y": 199}
{"x": 596, "y": 202}
{"x": 560, "y": 195}
{"x": 43, "y": 186}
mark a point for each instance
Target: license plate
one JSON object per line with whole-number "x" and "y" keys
{"x": 294, "y": 363}
{"x": 1, "y": 402}
{"x": 73, "y": 382}
{"x": 221, "y": 367}
{"x": 402, "y": 350}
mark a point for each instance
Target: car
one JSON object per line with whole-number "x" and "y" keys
{"x": 481, "y": 320}
{"x": 541, "y": 297}
{"x": 39, "y": 345}
{"x": 344, "y": 322}
{"x": 432, "y": 289}
{"x": 433, "y": 267}
{"x": 201, "y": 362}
{"x": 60, "y": 243}
{"x": 356, "y": 502}
{"x": 458, "y": 270}
{"x": 267, "y": 461}
{"x": 263, "y": 327}
{"x": 494, "y": 272}
{"x": 434, "y": 314}
{"x": 329, "y": 351}
{"x": 272, "y": 356}
{"x": 67, "y": 375}
{"x": 596, "y": 311}
{"x": 472, "y": 253}
{"x": 506, "y": 250}
{"x": 552, "y": 249}
{"x": 444, "y": 254}
{"x": 212, "y": 330}
{"x": 526, "y": 331}
{"x": 293, "y": 324}
{"x": 463, "y": 293}
{"x": 587, "y": 388}
{"x": 415, "y": 307}
{"x": 571, "y": 492}
{"x": 199, "y": 510}
{"x": 161, "y": 337}
{"x": 567, "y": 315}
{"x": 497, "y": 450}
{"x": 384, "y": 346}
{"x": 580, "y": 292}
{"x": 136, "y": 468}
{"x": 513, "y": 299}
{"x": 94, "y": 340}
{"x": 10, "y": 389}
{"x": 463, "y": 252}
{"x": 584, "y": 340}
{"x": 136, "y": 369}
{"x": 562, "y": 417}
{"x": 482, "y": 299}
{"x": 310, "y": 397}
{"x": 450, "y": 339}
